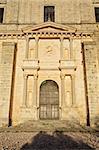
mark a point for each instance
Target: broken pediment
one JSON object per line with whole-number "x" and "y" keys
{"x": 49, "y": 27}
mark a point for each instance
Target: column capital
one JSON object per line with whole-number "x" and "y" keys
{"x": 61, "y": 38}
{"x": 35, "y": 76}
{"x": 70, "y": 38}
{"x": 72, "y": 76}
{"x": 62, "y": 76}
{"x": 27, "y": 38}
{"x": 25, "y": 76}
{"x": 36, "y": 38}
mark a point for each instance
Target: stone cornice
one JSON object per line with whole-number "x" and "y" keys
{"x": 44, "y": 34}
{"x": 46, "y": 30}
{"x": 49, "y": 25}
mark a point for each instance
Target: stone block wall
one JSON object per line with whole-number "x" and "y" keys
{"x": 31, "y": 11}
{"x": 92, "y": 78}
{"x": 6, "y": 68}
{"x": 22, "y": 13}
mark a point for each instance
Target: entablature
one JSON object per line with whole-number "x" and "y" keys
{"x": 30, "y": 64}
{"x": 36, "y": 64}
{"x": 46, "y": 30}
{"x": 67, "y": 64}
{"x": 3, "y": 1}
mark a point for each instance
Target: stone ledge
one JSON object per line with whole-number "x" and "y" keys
{"x": 67, "y": 64}
{"x": 30, "y": 64}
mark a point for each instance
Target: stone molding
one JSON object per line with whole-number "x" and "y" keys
{"x": 3, "y": 1}
{"x": 30, "y": 64}
{"x": 46, "y": 30}
{"x": 67, "y": 64}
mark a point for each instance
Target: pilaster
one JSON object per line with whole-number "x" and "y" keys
{"x": 62, "y": 89}
{"x": 73, "y": 90}
{"x": 24, "y": 104}
{"x": 27, "y": 47}
{"x": 35, "y": 91}
{"x": 36, "y": 46}
{"x": 61, "y": 47}
{"x": 71, "y": 48}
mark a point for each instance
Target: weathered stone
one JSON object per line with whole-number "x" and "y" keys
{"x": 33, "y": 51}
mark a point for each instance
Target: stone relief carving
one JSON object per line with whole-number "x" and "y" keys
{"x": 49, "y": 50}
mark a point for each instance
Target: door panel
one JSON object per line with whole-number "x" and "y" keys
{"x": 49, "y": 100}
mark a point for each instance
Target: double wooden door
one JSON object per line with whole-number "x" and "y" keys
{"x": 49, "y": 100}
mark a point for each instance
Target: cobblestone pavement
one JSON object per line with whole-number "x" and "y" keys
{"x": 48, "y": 141}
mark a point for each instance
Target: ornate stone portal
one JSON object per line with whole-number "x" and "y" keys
{"x": 62, "y": 53}
{"x": 50, "y": 58}
{"x": 49, "y": 74}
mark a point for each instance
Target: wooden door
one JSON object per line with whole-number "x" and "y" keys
{"x": 49, "y": 100}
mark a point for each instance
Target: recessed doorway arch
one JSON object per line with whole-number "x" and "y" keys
{"x": 49, "y": 100}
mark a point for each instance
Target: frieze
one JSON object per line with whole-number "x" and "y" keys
{"x": 45, "y": 35}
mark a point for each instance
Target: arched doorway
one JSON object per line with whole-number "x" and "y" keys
{"x": 49, "y": 100}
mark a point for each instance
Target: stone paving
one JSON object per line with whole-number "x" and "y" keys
{"x": 43, "y": 140}
{"x": 56, "y": 135}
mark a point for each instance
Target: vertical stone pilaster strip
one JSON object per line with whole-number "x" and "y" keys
{"x": 6, "y": 68}
{"x": 90, "y": 64}
{"x": 25, "y": 92}
{"x": 27, "y": 47}
{"x": 62, "y": 89}
{"x": 36, "y": 47}
{"x": 61, "y": 48}
{"x": 71, "y": 48}
{"x": 35, "y": 91}
{"x": 73, "y": 90}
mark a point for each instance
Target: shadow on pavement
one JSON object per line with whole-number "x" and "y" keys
{"x": 56, "y": 141}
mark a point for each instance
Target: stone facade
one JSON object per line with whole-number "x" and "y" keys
{"x": 33, "y": 52}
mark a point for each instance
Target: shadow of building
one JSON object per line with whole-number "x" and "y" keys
{"x": 56, "y": 141}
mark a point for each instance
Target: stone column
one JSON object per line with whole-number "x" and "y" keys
{"x": 71, "y": 48}
{"x": 61, "y": 48}
{"x": 36, "y": 47}
{"x": 27, "y": 47}
{"x": 24, "y": 104}
{"x": 62, "y": 89}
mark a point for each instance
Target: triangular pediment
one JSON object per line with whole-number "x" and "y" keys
{"x": 49, "y": 26}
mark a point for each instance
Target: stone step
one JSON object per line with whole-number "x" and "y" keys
{"x": 48, "y": 125}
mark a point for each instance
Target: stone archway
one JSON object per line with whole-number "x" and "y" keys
{"x": 49, "y": 100}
